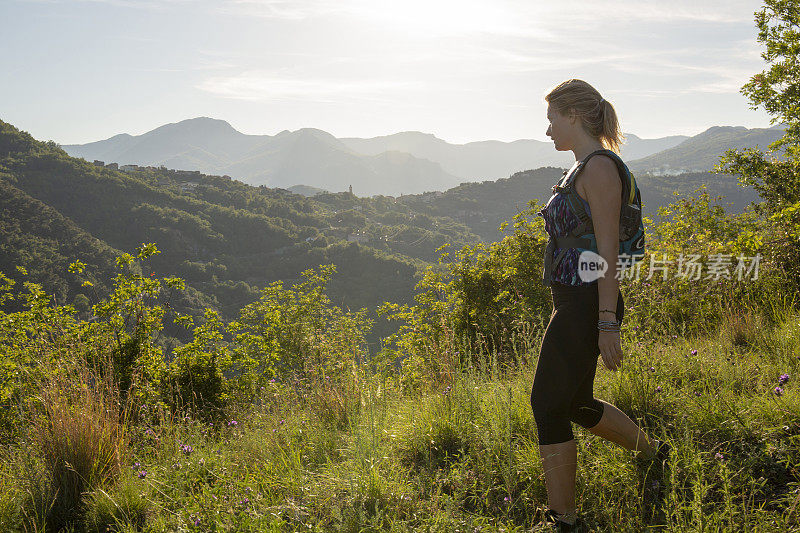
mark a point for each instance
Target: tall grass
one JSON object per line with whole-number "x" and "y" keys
{"x": 80, "y": 437}
{"x": 361, "y": 452}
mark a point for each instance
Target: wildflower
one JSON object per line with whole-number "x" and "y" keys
{"x": 142, "y": 474}
{"x": 718, "y": 456}
{"x": 272, "y": 380}
{"x": 245, "y": 501}
{"x": 783, "y": 379}
{"x": 187, "y": 448}
{"x": 282, "y": 422}
{"x": 697, "y": 393}
{"x": 694, "y": 352}
{"x": 778, "y": 391}
{"x": 507, "y": 499}
{"x": 447, "y": 390}
{"x": 652, "y": 369}
{"x": 233, "y": 424}
{"x": 658, "y": 389}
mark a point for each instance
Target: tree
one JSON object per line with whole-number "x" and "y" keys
{"x": 776, "y": 177}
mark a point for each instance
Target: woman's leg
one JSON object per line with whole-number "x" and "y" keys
{"x": 559, "y": 462}
{"x": 562, "y": 365}
{"x": 617, "y": 427}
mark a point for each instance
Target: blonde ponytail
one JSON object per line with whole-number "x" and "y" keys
{"x": 597, "y": 115}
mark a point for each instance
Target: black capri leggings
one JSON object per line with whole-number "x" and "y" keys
{"x": 562, "y": 388}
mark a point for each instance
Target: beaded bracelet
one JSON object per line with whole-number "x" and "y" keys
{"x": 608, "y": 326}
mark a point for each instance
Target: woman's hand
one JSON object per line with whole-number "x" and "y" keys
{"x": 610, "y": 349}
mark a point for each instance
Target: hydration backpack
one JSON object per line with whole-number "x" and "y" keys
{"x": 631, "y": 226}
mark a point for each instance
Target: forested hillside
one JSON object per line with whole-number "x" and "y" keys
{"x": 225, "y": 238}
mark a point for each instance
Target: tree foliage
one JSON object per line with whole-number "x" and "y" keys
{"x": 777, "y": 180}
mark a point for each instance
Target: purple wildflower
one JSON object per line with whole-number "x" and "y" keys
{"x": 658, "y": 389}
{"x": 778, "y": 391}
{"x": 187, "y": 448}
{"x": 447, "y": 390}
{"x": 694, "y": 352}
{"x": 233, "y": 424}
{"x": 142, "y": 474}
{"x": 783, "y": 379}
{"x": 718, "y": 456}
{"x": 652, "y": 369}
{"x": 697, "y": 393}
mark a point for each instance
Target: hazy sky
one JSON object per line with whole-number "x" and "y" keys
{"x": 82, "y": 70}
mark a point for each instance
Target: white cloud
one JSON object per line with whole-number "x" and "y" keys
{"x": 137, "y": 4}
{"x": 255, "y": 85}
{"x": 283, "y": 9}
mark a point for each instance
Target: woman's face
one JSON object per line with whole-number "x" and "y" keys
{"x": 560, "y": 129}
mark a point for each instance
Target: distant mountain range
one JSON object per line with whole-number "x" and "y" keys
{"x": 701, "y": 152}
{"x": 402, "y": 163}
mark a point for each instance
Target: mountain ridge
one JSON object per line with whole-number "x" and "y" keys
{"x": 316, "y": 158}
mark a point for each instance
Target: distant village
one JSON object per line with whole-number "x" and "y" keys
{"x": 184, "y": 186}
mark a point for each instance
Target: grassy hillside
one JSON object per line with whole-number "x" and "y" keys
{"x": 281, "y": 418}
{"x": 360, "y": 448}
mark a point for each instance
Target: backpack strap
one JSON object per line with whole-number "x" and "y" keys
{"x": 585, "y": 226}
{"x": 575, "y": 203}
{"x": 564, "y": 243}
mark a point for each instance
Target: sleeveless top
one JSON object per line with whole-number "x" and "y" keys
{"x": 559, "y": 220}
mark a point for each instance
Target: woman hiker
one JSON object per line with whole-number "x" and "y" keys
{"x": 586, "y": 312}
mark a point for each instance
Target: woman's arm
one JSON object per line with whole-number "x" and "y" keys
{"x": 603, "y": 189}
